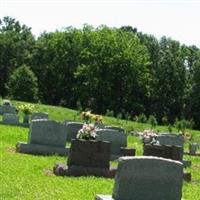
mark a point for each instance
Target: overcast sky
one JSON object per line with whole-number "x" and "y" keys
{"x": 178, "y": 19}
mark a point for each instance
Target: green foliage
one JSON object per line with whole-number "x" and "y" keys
{"x": 27, "y": 109}
{"x": 165, "y": 120}
{"x": 142, "y": 118}
{"x": 109, "y": 113}
{"x": 181, "y": 125}
{"x": 121, "y": 69}
{"x": 23, "y": 84}
{"x": 152, "y": 120}
{"x": 16, "y": 48}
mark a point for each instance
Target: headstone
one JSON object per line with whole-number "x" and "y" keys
{"x": 40, "y": 115}
{"x": 147, "y": 178}
{"x": 115, "y": 128}
{"x": 170, "y": 139}
{"x": 193, "y": 148}
{"x": 8, "y": 109}
{"x": 164, "y": 151}
{"x": 170, "y": 152}
{"x": 116, "y": 138}
{"x": 45, "y": 137}
{"x": 72, "y": 129}
{"x": 12, "y": 119}
{"x": 87, "y": 157}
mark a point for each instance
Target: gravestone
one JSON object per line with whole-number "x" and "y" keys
{"x": 166, "y": 151}
{"x": 8, "y": 109}
{"x": 193, "y": 148}
{"x": 115, "y": 128}
{"x": 45, "y": 137}
{"x": 12, "y": 119}
{"x": 170, "y": 152}
{"x": 40, "y": 115}
{"x": 170, "y": 139}
{"x": 116, "y": 138}
{"x": 86, "y": 158}
{"x": 72, "y": 129}
{"x": 147, "y": 178}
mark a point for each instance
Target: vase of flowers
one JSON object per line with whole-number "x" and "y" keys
{"x": 27, "y": 110}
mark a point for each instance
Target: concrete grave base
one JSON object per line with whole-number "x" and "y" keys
{"x": 37, "y": 149}
{"x": 16, "y": 124}
{"x": 107, "y": 197}
{"x": 103, "y": 197}
{"x": 64, "y": 170}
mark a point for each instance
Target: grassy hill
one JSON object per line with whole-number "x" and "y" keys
{"x": 27, "y": 177}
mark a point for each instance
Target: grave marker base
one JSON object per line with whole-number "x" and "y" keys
{"x": 64, "y": 170}
{"x": 103, "y": 197}
{"x": 37, "y": 149}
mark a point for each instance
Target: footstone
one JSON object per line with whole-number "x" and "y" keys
{"x": 116, "y": 138}
{"x": 12, "y": 119}
{"x": 147, "y": 178}
{"x": 45, "y": 137}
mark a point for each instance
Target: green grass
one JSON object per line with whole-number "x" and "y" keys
{"x": 27, "y": 177}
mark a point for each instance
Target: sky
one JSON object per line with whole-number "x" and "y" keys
{"x": 178, "y": 19}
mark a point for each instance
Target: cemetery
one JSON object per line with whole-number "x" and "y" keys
{"x": 104, "y": 160}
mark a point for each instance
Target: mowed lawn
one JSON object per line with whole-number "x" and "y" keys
{"x": 27, "y": 177}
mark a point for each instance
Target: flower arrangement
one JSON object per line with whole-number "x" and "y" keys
{"x": 88, "y": 132}
{"x": 89, "y": 117}
{"x": 27, "y": 109}
{"x": 148, "y": 136}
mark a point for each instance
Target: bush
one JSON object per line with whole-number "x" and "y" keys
{"x": 22, "y": 85}
{"x": 165, "y": 120}
{"x": 109, "y": 113}
{"x": 142, "y": 118}
{"x": 152, "y": 120}
{"x": 181, "y": 125}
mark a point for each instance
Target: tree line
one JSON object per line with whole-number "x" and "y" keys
{"x": 104, "y": 69}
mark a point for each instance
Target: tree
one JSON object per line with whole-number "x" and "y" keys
{"x": 194, "y": 100}
{"x": 170, "y": 81}
{"x": 16, "y": 46}
{"x": 113, "y": 71}
{"x": 22, "y": 85}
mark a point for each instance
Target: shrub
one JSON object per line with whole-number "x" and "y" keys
{"x": 181, "y": 125}
{"x": 22, "y": 85}
{"x": 109, "y": 113}
{"x": 142, "y": 118}
{"x": 152, "y": 120}
{"x": 165, "y": 120}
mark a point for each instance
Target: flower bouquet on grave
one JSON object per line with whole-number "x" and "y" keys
{"x": 88, "y": 117}
{"x": 88, "y": 132}
{"x": 27, "y": 109}
{"x": 148, "y": 136}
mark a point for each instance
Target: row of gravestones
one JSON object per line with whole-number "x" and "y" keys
{"x": 13, "y": 118}
{"x": 50, "y": 137}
